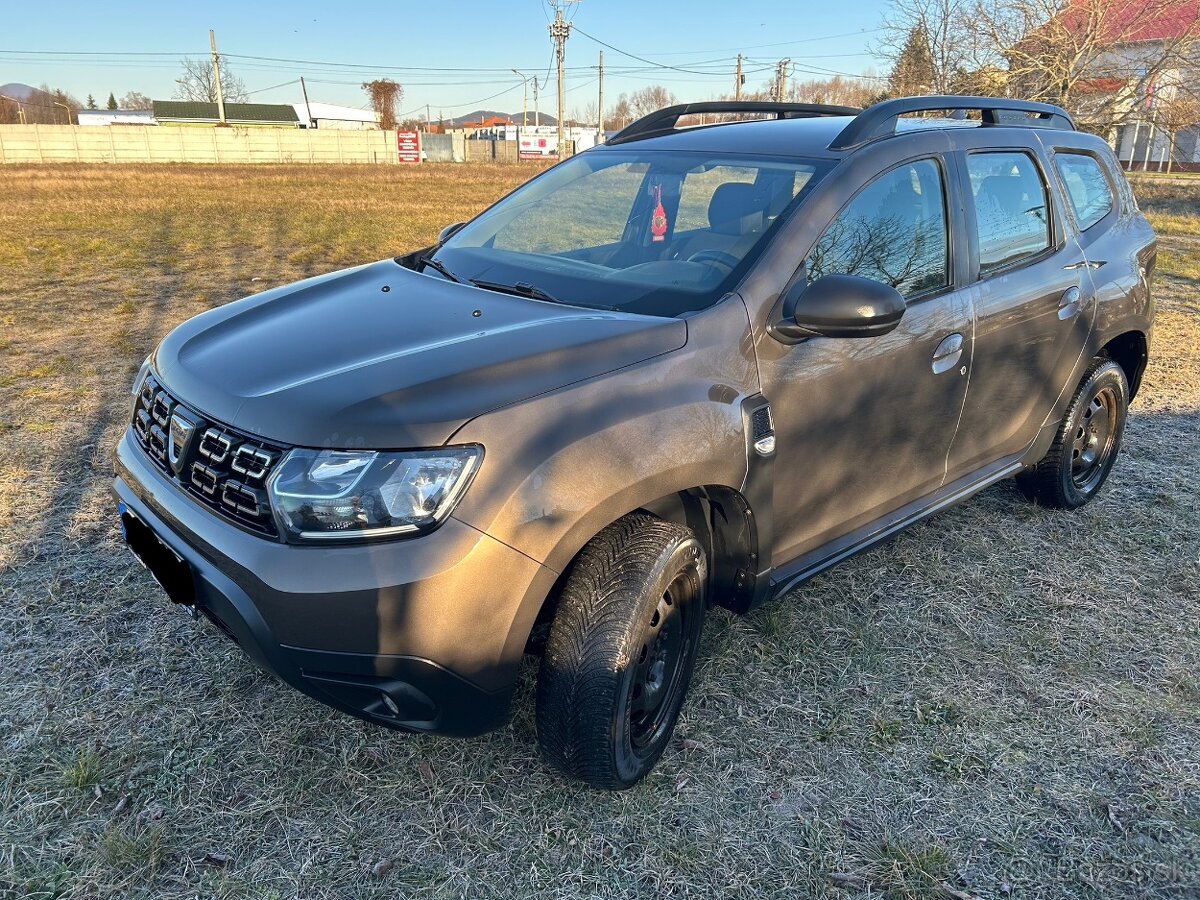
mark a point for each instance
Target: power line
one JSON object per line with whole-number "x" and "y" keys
{"x": 272, "y": 87}
{"x": 642, "y": 58}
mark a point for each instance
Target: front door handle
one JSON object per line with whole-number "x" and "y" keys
{"x": 1069, "y": 303}
{"x": 948, "y": 353}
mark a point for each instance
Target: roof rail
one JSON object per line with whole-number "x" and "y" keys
{"x": 664, "y": 121}
{"x": 880, "y": 120}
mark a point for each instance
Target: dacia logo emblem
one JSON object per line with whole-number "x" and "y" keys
{"x": 183, "y": 429}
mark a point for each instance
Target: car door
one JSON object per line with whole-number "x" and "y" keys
{"x": 1032, "y": 294}
{"x": 1111, "y": 234}
{"x": 863, "y": 425}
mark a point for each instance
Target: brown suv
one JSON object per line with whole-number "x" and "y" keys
{"x": 693, "y": 366}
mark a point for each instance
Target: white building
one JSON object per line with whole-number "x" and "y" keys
{"x": 327, "y": 115}
{"x": 116, "y": 117}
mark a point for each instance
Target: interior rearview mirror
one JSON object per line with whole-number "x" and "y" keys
{"x": 838, "y": 306}
{"x": 448, "y": 232}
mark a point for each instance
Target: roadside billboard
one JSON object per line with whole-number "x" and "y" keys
{"x": 408, "y": 145}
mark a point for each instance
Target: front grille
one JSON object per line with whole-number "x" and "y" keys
{"x": 221, "y": 467}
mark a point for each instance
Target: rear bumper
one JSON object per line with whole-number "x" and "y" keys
{"x": 419, "y": 635}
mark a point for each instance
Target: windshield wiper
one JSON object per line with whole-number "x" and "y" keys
{"x": 521, "y": 289}
{"x": 439, "y": 268}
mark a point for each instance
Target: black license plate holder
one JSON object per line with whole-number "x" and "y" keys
{"x": 168, "y": 568}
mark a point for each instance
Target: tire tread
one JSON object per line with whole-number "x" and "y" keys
{"x": 576, "y": 701}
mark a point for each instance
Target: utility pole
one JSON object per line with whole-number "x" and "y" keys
{"x": 739, "y": 80}
{"x": 537, "y": 119}
{"x": 600, "y": 114}
{"x": 428, "y": 120}
{"x": 308, "y": 109}
{"x": 560, "y": 30}
{"x": 212, "y": 42}
{"x": 781, "y": 77}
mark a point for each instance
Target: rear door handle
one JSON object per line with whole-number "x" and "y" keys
{"x": 948, "y": 353}
{"x": 1069, "y": 303}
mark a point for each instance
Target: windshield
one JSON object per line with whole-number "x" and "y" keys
{"x": 652, "y": 232}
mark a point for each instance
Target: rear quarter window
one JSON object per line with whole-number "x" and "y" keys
{"x": 1087, "y": 187}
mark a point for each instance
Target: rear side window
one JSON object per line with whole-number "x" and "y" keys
{"x": 1011, "y": 210}
{"x": 894, "y": 231}
{"x": 1087, "y": 187}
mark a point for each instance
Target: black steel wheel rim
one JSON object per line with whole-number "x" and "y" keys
{"x": 1094, "y": 439}
{"x": 660, "y": 661}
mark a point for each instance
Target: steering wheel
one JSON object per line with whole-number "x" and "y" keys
{"x": 720, "y": 257}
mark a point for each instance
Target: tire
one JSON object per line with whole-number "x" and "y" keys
{"x": 1087, "y": 443}
{"x": 621, "y": 651}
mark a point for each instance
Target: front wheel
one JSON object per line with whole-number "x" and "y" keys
{"x": 621, "y": 651}
{"x": 1088, "y": 441}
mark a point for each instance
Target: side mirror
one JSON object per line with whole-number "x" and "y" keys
{"x": 838, "y": 306}
{"x": 448, "y": 232}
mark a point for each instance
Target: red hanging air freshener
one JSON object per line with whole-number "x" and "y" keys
{"x": 658, "y": 224}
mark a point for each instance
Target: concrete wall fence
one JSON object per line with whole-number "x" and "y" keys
{"x": 175, "y": 144}
{"x": 167, "y": 144}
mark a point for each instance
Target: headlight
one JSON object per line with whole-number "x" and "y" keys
{"x": 347, "y": 494}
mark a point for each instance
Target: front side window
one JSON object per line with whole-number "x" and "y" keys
{"x": 1012, "y": 218}
{"x": 893, "y": 231}
{"x": 1087, "y": 188}
{"x": 645, "y": 231}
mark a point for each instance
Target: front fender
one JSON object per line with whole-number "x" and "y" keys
{"x": 561, "y": 466}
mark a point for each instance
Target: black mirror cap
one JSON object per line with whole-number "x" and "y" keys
{"x": 448, "y": 232}
{"x": 839, "y": 306}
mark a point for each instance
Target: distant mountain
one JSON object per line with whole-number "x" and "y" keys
{"x": 17, "y": 90}
{"x": 483, "y": 114}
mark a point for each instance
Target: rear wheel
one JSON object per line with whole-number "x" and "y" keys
{"x": 621, "y": 650}
{"x": 1088, "y": 441}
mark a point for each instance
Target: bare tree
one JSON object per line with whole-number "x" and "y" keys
{"x": 839, "y": 90}
{"x": 198, "y": 82}
{"x": 620, "y": 115}
{"x": 1089, "y": 55}
{"x": 385, "y": 95}
{"x": 10, "y": 112}
{"x": 1180, "y": 112}
{"x": 136, "y": 100}
{"x": 935, "y": 39}
{"x": 586, "y": 116}
{"x": 648, "y": 99}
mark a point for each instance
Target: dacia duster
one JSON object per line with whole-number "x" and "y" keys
{"x": 692, "y": 366}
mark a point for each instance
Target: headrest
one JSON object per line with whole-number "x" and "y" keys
{"x": 735, "y": 209}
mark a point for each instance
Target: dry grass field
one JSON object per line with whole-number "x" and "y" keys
{"x": 1002, "y": 702}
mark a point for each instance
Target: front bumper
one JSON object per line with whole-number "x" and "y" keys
{"x": 418, "y": 635}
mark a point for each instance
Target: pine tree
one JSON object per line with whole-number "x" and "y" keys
{"x": 112, "y": 101}
{"x": 91, "y": 102}
{"x": 913, "y": 72}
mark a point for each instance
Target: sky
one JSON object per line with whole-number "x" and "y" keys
{"x": 455, "y": 57}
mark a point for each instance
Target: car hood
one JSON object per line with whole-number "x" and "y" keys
{"x": 380, "y": 356}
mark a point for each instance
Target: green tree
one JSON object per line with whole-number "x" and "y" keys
{"x": 91, "y": 102}
{"x": 913, "y": 71}
{"x": 112, "y": 101}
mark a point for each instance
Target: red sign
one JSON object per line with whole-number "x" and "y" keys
{"x": 409, "y": 145}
